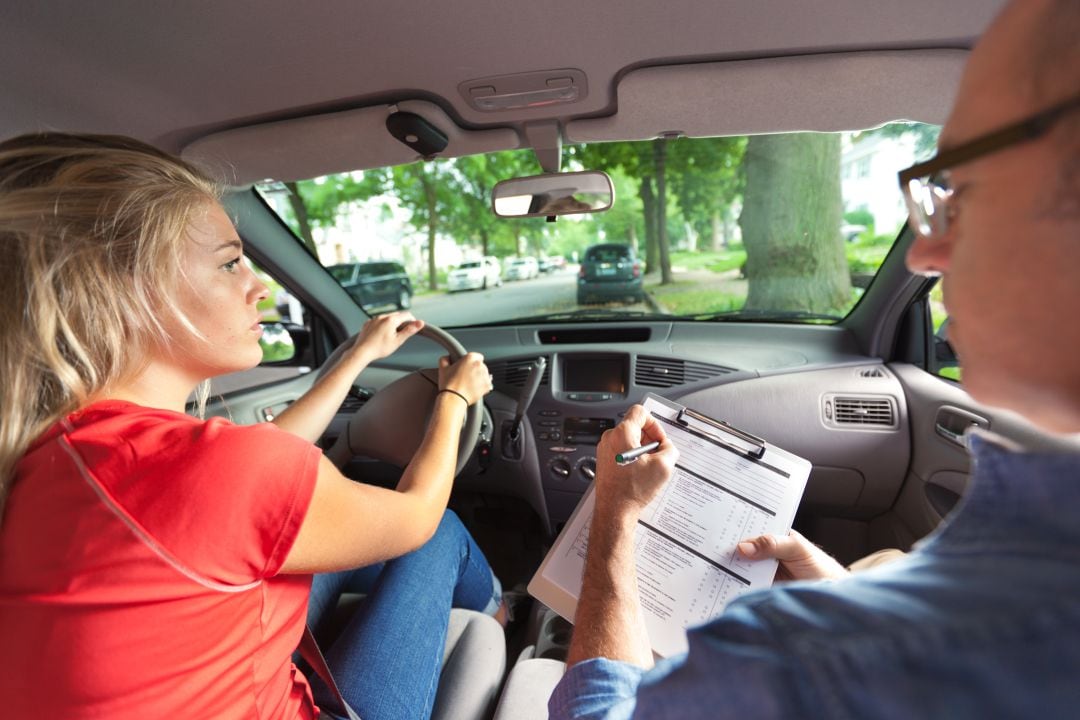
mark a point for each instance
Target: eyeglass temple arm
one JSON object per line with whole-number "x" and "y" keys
{"x": 1025, "y": 130}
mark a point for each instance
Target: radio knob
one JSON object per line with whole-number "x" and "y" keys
{"x": 560, "y": 468}
{"x": 587, "y": 467}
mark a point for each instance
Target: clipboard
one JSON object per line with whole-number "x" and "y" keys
{"x": 723, "y": 472}
{"x": 757, "y": 449}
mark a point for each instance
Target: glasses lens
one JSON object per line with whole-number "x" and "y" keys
{"x": 926, "y": 200}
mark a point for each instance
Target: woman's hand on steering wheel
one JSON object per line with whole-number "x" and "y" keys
{"x": 383, "y": 334}
{"x": 469, "y": 376}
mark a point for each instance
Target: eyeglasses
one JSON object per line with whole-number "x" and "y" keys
{"x": 926, "y": 186}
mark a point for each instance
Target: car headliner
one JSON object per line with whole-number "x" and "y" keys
{"x": 315, "y": 81}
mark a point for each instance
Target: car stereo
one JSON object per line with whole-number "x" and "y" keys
{"x": 585, "y": 431}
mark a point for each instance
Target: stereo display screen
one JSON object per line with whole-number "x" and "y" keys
{"x": 594, "y": 374}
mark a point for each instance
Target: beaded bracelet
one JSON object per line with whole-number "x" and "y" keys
{"x": 467, "y": 403}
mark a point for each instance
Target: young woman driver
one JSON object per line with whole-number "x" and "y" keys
{"x": 157, "y": 565}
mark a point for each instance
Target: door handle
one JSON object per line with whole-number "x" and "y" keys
{"x": 951, "y": 423}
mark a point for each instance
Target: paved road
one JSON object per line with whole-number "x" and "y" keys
{"x": 520, "y": 298}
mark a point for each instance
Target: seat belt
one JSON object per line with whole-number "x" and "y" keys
{"x": 309, "y": 650}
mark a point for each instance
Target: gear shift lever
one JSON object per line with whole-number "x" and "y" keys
{"x": 512, "y": 434}
{"x": 536, "y": 372}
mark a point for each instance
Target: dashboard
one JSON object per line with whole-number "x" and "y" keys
{"x": 805, "y": 388}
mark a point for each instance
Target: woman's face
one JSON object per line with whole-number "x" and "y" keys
{"x": 218, "y": 294}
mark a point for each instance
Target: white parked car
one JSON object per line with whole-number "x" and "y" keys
{"x": 475, "y": 275}
{"x": 522, "y": 268}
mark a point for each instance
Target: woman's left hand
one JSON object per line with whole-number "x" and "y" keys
{"x": 383, "y": 334}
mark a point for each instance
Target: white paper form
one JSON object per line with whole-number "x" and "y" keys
{"x": 685, "y": 543}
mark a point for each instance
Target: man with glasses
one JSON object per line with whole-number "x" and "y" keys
{"x": 981, "y": 619}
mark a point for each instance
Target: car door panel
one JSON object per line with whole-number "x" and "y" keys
{"x": 259, "y": 404}
{"x": 941, "y": 411}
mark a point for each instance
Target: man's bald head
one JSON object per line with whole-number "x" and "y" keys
{"x": 1055, "y": 63}
{"x": 1040, "y": 59}
{"x": 1010, "y": 262}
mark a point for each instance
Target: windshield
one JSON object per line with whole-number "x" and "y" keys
{"x": 788, "y": 227}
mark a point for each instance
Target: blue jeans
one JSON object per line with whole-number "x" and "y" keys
{"x": 386, "y": 661}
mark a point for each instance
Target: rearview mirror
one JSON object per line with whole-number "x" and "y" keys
{"x": 556, "y": 194}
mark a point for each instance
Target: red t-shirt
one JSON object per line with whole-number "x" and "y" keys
{"x": 138, "y": 558}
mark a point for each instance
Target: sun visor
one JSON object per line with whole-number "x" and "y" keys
{"x": 825, "y": 93}
{"x": 316, "y": 145}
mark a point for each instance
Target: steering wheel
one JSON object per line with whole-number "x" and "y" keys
{"x": 391, "y": 425}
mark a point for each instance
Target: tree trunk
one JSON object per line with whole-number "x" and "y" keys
{"x": 648, "y": 207}
{"x": 484, "y": 243}
{"x": 302, "y": 222}
{"x": 660, "y": 161}
{"x": 716, "y": 228}
{"x": 432, "y": 222}
{"x": 791, "y": 224}
{"x": 632, "y": 234}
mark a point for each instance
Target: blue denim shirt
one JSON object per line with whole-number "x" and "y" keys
{"x": 981, "y": 620}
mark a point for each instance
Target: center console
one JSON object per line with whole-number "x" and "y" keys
{"x": 589, "y": 392}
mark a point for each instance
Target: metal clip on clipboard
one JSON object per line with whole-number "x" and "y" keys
{"x": 758, "y": 443}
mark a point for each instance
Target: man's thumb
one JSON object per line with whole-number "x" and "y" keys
{"x": 767, "y": 546}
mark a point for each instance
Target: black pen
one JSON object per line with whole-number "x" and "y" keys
{"x": 630, "y": 456}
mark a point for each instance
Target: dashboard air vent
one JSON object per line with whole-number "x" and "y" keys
{"x": 873, "y": 372}
{"x": 515, "y": 372}
{"x": 669, "y": 372}
{"x": 861, "y": 411}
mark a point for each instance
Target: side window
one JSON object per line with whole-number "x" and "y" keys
{"x": 286, "y": 341}
{"x": 943, "y": 360}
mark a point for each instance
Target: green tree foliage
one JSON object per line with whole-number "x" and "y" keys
{"x": 685, "y": 182}
{"x": 622, "y": 223}
{"x": 791, "y": 224}
{"x": 860, "y": 217}
{"x": 706, "y": 176}
{"x": 472, "y": 219}
{"x": 662, "y": 189}
{"x": 636, "y": 161}
{"x": 319, "y": 203}
{"x": 430, "y": 194}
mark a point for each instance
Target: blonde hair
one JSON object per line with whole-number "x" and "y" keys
{"x": 91, "y": 228}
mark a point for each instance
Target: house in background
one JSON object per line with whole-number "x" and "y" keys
{"x": 869, "y": 162}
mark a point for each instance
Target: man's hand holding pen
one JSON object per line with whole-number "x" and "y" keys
{"x": 625, "y": 488}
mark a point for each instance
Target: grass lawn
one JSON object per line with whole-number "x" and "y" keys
{"x": 693, "y": 298}
{"x": 717, "y": 262}
{"x": 865, "y": 255}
